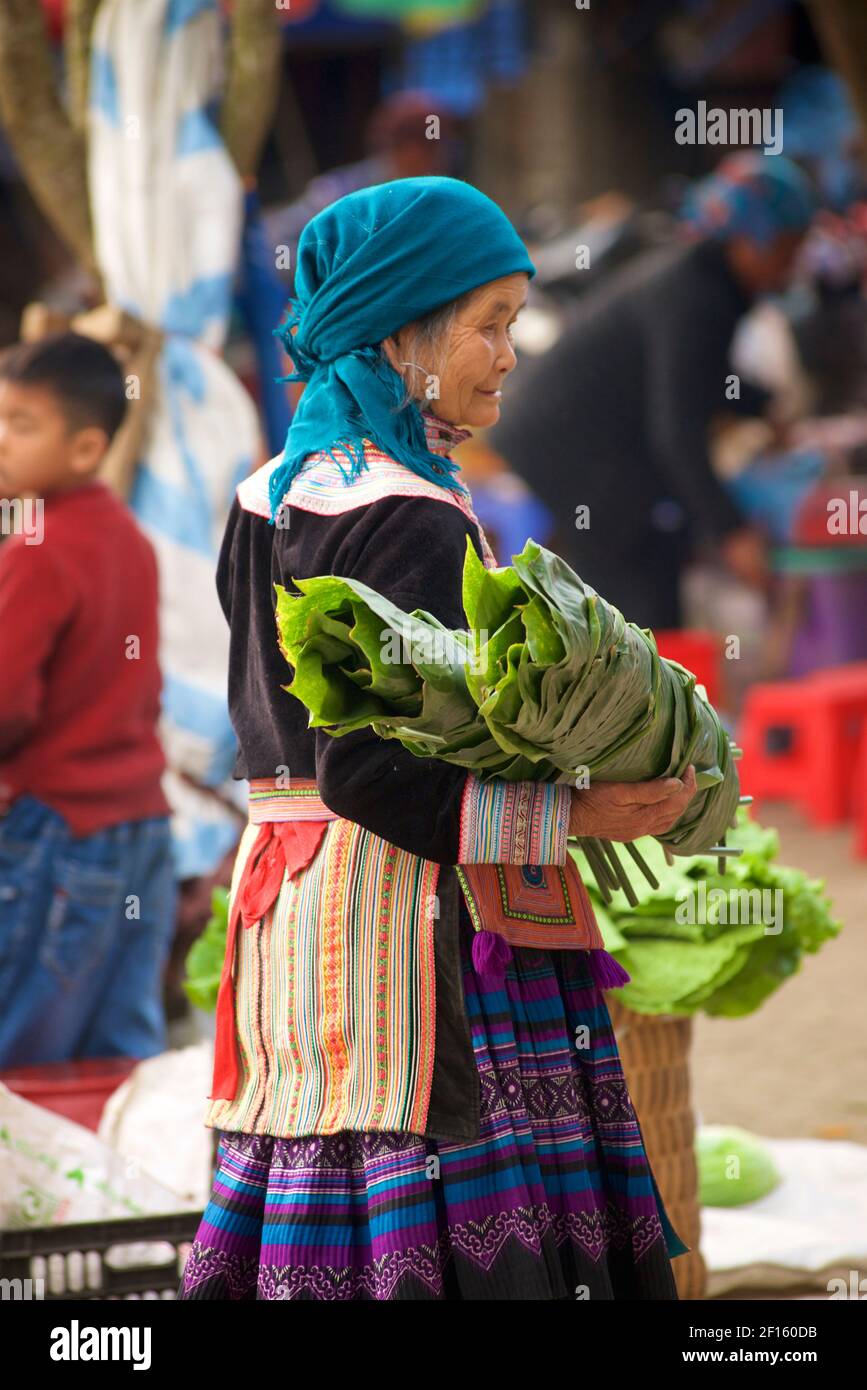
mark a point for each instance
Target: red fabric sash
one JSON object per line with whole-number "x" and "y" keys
{"x": 280, "y": 846}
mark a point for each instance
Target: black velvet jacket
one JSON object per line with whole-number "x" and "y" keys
{"x": 411, "y": 549}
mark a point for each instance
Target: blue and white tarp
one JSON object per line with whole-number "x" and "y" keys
{"x": 167, "y": 208}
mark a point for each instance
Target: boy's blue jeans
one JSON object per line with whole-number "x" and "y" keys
{"x": 86, "y": 926}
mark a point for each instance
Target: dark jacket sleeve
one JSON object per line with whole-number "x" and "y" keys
{"x": 226, "y": 560}
{"x": 411, "y": 550}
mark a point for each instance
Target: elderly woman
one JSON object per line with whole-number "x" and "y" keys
{"x": 398, "y": 1118}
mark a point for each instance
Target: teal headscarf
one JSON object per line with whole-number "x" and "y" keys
{"x": 368, "y": 264}
{"x": 750, "y": 194}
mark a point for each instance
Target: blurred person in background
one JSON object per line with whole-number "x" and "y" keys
{"x": 87, "y": 889}
{"x": 616, "y": 416}
{"x": 824, "y": 135}
{"x": 811, "y": 350}
{"x": 402, "y": 144}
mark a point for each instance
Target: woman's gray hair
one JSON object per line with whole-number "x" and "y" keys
{"x": 430, "y": 338}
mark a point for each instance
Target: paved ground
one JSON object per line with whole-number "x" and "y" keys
{"x": 798, "y": 1065}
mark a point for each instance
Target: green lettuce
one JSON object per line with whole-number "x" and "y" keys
{"x": 677, "y": 946}
{"x": 204, "y": 962}
{"x": 724, "y": 1183}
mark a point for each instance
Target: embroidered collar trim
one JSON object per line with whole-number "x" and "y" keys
{"x": 442, "y": 436}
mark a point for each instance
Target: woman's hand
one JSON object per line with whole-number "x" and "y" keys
{"x": 628, "y": 810}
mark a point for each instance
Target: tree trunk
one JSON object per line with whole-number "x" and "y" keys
{"x": 253, "y": 82}
{"x": 842, "y": 29}
{"x": 80, "y": 15}
{"x": 50, "y": 151}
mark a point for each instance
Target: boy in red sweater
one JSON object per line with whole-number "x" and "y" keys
{"x": 87, "y": 887}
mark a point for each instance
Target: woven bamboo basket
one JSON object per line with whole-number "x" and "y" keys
{"x": 654, "y": 1050}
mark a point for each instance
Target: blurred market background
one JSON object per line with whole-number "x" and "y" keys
{"x": 169, "y": 230}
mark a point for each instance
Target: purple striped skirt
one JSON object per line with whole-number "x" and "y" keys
{"x": 555, "y": 1200}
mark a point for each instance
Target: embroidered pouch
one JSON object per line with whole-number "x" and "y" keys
{"x": 542, "y": 905}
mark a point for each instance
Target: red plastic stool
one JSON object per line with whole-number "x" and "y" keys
{"x": 824, "y": 715}
{"x": 846, "y": 687}
{"x": 860, "y": 797}
{"x": 699, "y": 652}
{"x": 847, "y": 679}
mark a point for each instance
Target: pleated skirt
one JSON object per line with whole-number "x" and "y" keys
{"x": 555, "y": 1200}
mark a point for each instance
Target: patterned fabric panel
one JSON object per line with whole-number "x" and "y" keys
{"x": 322, "y": 488}
{"x": 514, "y": 822}
{"x": 542, "y": 905}
{"x": 335, "y": 994}
{"x": 299, "y": 800}
{"x": 441, "y": 435}
{"x": 441, "y": 438}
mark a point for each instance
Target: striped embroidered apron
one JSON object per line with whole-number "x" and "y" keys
{"x": 336, "y": 1024}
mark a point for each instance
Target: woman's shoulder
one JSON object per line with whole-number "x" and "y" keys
{"x": 329, "y": 488}
{"x": 326, "y": 488}
{"x": 385, "y": 492}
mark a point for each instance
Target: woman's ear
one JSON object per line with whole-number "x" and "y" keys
{"x": 392, "y": 352}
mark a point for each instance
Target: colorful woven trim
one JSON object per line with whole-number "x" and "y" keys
{"x": 514, "y": 822}
{"x": 526, "y": 887}
{"x": 321, "y": 488}
{"x": 441, "y": 435}
{"x": 335, "y": 988}
{"x": 269, "y": 800}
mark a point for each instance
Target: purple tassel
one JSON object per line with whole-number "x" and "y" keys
{"x": 491, "y": 955}
{"x": 607, "y": 972}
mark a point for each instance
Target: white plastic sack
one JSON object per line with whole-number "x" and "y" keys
{"x": 157, "y": 1118}
{"x": 53, "y": 1172}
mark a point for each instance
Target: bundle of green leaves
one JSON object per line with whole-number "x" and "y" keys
{"x": 701, "y": 941}
{"x": 548, "y": 683}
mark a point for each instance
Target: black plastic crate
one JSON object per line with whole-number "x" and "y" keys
{"x": 70, "y": 1259}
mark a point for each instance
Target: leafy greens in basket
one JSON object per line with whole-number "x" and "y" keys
{"x": 719, "y": 945}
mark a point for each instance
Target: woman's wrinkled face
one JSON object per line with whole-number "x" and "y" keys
{"x": 477, "y": 359}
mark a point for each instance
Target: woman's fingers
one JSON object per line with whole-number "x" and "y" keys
{"x": 648, "y": 793}
{"x": 660, "y": 815}
{"x": 628, "y": 810}
{"x": 659, "y": 790}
